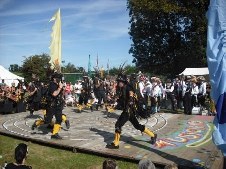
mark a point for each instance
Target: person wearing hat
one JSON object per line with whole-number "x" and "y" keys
{"x": 181, "y": 91}
{"x": 55, "y": 104}
{"x": 128, "y": 100}
{"x": 101, "y": 93}
{"x": 155, "y": 93}
{"x": 187, "y": 96}
{"x": 202, "y": 91}
{"x": 85, "y": 93}
{"x": 34, "y": 91}
{"x": 77, "y": 88}
{"x": 21, "y": 152}
{"x": 170, "y": 93}
{"x": 194, "y": 92}
{"x": 161, "y": 93}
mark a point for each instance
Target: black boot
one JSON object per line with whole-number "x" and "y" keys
{"x": 31, "y": 112}
{"x": 33, "y": 126}
{"x": 56, "y": 136}
{"x": 67, "y": 123}
{"x": 49, "y": 126}
{"x": 112, "y": 146}
{"x": 153, "y": 139}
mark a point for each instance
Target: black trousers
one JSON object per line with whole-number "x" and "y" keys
{"x": 83, "y": 98}
{"x": 173, "y": 100}
{"x": 194, "y": 102}
{"x": 201, "y": 100}
{"x": 101, "y": 96}
{"x": 50, "y": 112}
{"x": 34, "y": 106}
{"x": 123, "y": 118}
{"x": 187, "y": 103}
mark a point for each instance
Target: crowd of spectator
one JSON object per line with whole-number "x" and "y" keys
{"x": 183, "y": 92}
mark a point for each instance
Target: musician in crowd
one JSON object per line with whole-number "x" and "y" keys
{"x": 155, "y": 90}
{"x": 85, "y": 93}
{"x": 169, "y": 89}
{"x": 20, "y": 92}
{"x": 2, "y": 97}
{"x": 133, "y": 80}
{"x": 202, "y": 91}
{"x": 177, "y": 91}
{"x": 34, "y": 90}
{"x": 77, "y": 89}
{"x": 142, "y": 86}
{"x": 181, "y": 92}
{"x": 127, "y": 96}
{"x": 187, "y": 96}
{"x": 110, "y": 97}
{"x": 194, "y": 92}
{"x": 101, "y": 93}
{"x": 161, "y": 93}
{"x": 12, "y": 96}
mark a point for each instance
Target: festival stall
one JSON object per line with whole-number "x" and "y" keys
{"x": 9, "y": 77}
{"x": 203, "y": 71}
{"x": 9, "y": 102}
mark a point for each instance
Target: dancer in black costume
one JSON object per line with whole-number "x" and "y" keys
{"x": 128, "y": 101}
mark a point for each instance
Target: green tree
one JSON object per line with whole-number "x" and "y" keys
{"x": 14, "y": 68}
{"x": 168, "y": 36}
{"x": 38, "y": 65}
{"x": 69, "y": 68}
{"x": 129, "y": 69}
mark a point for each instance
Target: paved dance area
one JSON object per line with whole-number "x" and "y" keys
{"x": 182, "y": 139}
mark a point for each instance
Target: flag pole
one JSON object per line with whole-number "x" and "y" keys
{"x": 89, "y": 67}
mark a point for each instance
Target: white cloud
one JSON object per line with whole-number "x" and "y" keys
{"x": 89, "y": 20}
{"x": 86, "y": 24}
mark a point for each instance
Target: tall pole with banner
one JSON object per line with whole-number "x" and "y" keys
{"x": 55, "y": 45}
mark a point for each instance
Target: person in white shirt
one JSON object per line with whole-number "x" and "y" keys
{"x": 146, "y": 91}
{"x": 154, "y": 95}
{"x": 142, "y": 85}
{"x": 77, "y": 89}
{"x": 182, "y": 89}
{"x": 161, "y": 93}
{"x": 194, "y": 92}
{"x": 148, "y": 88}
{"x": 202, "y": 91}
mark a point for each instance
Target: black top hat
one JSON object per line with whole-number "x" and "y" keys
{"x": 122, "y": 78}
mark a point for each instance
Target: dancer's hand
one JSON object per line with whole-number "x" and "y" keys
{"x": 60, "y": 85}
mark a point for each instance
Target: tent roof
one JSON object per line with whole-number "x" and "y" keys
{"x": 195, "y": 71}
{"x": 7, "y": 75}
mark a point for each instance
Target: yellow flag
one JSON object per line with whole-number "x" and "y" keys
{"x": 55, "y": 45}
{"x": 102, "y": 72}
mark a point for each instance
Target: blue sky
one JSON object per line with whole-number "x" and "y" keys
{"x": 95, "y": 27}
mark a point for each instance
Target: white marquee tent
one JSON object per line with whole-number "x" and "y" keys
{"x": 204, "y": 71}
{"x": 9, "y": 77}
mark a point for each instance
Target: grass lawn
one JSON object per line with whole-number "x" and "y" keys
{"x": 41, "y": 157}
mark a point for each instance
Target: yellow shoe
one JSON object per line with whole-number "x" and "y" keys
{"x": 56, "y": 128}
